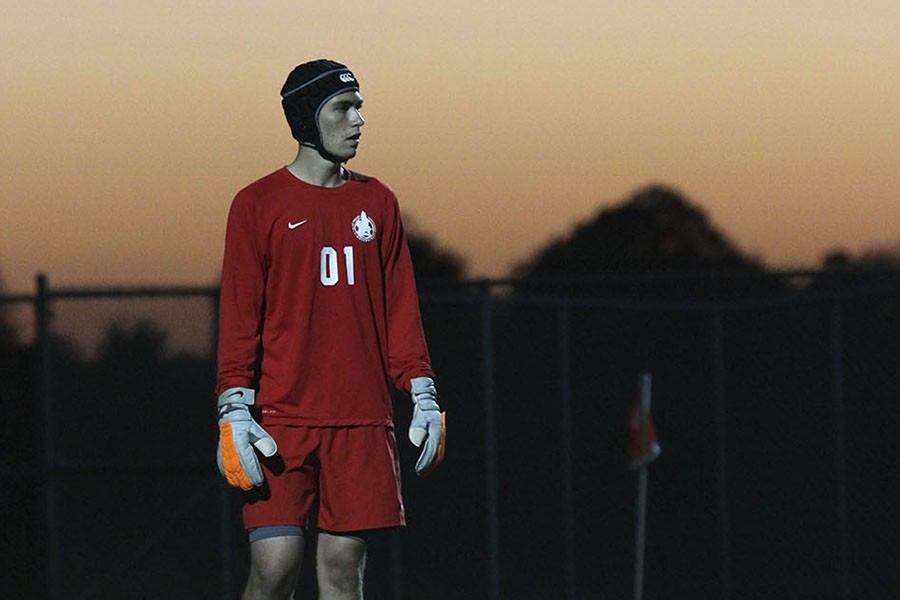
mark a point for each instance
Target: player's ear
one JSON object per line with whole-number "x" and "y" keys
{"x": 294, "y": 117}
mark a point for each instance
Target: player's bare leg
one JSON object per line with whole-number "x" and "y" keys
{"x": 340, "y": 564}
{"x": 274, "y": 568}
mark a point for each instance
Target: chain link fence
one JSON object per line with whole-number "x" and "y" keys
{"x": 776, "y": 398}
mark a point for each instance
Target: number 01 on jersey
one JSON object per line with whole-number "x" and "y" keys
{"x": 329, "y": 273}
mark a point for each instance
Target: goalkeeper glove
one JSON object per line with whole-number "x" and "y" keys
{"x": 238, "y": 434}
{"x": 428, "y": 425}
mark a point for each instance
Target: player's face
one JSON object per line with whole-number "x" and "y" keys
{"x": 340, "y": 121}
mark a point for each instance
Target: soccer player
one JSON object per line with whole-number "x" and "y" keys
{"x": 319, "y": 314}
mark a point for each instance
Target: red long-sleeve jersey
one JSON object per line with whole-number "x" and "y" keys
{"x": 318, "y": 308}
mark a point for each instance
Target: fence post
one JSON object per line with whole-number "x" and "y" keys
{"x": 48, "y": 467}
{"x": 490, "y": 445}
{"x": 227, "y": 583}
{"x": 840, "y": 435}
{"x": 645, "y": 382}
{"x": 720, "y": 412}
{"x": 567, "y": 454}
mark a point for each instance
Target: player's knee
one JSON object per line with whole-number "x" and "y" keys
{"x": 271, "y": 580}
{"x": 341, "y": 569}
{"x": 340, "y": 566}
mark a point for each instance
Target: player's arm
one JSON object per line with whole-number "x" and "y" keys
{"x": 241, "y": 299}
{"x": 407, "y": 351}
{"x": 240, "y": 327}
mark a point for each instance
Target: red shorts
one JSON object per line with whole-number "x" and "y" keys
{"x": 353, "y": 473}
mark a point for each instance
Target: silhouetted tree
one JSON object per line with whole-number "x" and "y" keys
{"x": 142, "y": 342}
{"x": 19, "y": 463}
{"x": 841, "y": 270}
{"x": 17, "y": 390}
{"x": 877, "y": 257}
{"x": 655, "y": 229}
{"x": 135, "y": 381}
{"x": 836, "y": 259}
{"x": 431, "y": 262}
{"x": 9, "y": 339}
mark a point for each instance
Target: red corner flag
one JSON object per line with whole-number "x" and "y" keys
{"x": 642, "y": 444}
{"x": 642, "y": 449}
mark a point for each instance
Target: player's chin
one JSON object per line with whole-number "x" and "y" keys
{"x": 343, "y": 152}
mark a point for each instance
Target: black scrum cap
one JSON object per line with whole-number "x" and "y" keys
{"x": 308, "y": 87}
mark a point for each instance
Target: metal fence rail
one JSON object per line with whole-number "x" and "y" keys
{"x": 775, "y": 396}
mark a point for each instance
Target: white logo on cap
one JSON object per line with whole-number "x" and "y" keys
{"x": 346, "y": 77}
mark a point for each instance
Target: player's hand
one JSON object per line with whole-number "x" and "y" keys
{"x": 239, "y": 434}
{"x": 428, "y": 425}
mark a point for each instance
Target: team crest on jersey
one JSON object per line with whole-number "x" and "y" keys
{"x": 363, "y": 227}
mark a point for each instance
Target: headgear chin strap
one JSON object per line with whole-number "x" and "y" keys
{"x": 307, "y": 89}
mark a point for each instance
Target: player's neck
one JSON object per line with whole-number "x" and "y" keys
{"x": 312, "y": 168}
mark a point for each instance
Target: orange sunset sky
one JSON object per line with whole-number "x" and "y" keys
{"x": 129, "y": 126}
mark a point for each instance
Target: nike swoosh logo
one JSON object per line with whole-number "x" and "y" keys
{"x": 297, "y": 224}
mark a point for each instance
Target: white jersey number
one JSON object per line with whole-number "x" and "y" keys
{"x": 328, "y": 266}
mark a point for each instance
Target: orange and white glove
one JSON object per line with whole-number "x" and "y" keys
{"x": 428, "y": 425}
{"x": 239, "y": 434}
